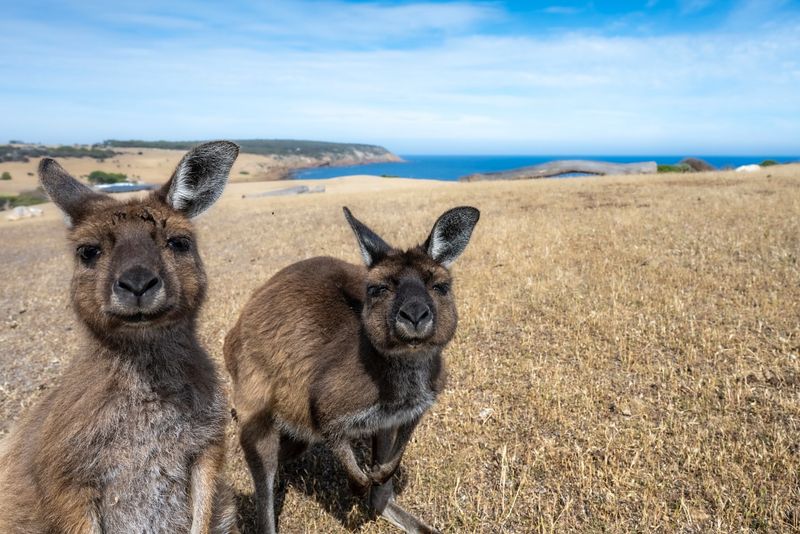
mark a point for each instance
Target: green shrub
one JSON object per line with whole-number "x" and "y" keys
{"x": 768, "y": 163}
{"x": 243, "y": 172}
{"x": 680, "y": 167}
{"x": 26, "y": 198}
{"x": 102, "y": 177}
{"x": 5, "y": 176}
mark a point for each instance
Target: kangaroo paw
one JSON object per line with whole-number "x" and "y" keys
{"x": 395, "y": 515}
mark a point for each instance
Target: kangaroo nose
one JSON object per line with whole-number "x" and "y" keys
{"x": 415, "y": 312}
{"x": 137, "y": 281}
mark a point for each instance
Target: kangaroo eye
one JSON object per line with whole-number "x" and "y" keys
{"x": 88, "y": 253}
{"x": 375, "y": 291}
{"x": 179, "y": 244}
{"x": 442, "y": 289}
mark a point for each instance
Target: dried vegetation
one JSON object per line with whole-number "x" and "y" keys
{"x": 628, "y": 357}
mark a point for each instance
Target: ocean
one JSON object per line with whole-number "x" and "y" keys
{"x": 453, "y": 167}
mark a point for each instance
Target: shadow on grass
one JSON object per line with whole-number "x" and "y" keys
{"x": 317, "y": 474}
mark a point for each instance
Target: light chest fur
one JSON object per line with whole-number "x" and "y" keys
{"x": 152, "y": 440}
{"x": 410, "y": 397}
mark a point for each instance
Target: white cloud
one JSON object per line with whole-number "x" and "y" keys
{"x": 689, "y": 7}
{"x": 562, "y": 10}
{"x": 717, "y": 91}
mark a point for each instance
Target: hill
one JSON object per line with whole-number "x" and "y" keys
{"x": 24, "y": 152}
{"x": 153, "y": 161}
{"x": 288, "y": 149}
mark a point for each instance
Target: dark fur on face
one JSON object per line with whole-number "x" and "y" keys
{"x": 394, "y": 281}
{"x": 116, "y": 238}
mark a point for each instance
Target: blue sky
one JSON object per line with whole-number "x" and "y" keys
{"x": 646, "y": 77}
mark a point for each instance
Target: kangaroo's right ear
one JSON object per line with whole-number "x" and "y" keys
{"x": 451, "y": 233}
{"x": 373, "y": 248}
{"x": 200, "y": 177}
{"x": 71, "y": 196}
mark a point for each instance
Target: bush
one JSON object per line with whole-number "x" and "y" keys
{"x": 697, "y": 165}
{"x": 768, "y": 163}
{"x": 680, "y": 167}
{"x": 5, "y": 176}
{"x": 243, "y": 172}
{"x": 26, "y": 198}
{"x": 29, "y": 198}
{"x": 102, "y": 177}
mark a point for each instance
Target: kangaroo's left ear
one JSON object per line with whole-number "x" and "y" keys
{"x": 373, "y": 247}
{"x": 450, "y": 234}
{"x": 200, "y": 177}
{"x": 73, "y": 198}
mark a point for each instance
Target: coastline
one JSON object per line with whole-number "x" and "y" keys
{"x": 251, "y": 194}
{"x": 453, "y": 167}
{"x": 155, "y": 166}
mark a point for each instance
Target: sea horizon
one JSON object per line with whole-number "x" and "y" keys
{"x": 452, "y": 167}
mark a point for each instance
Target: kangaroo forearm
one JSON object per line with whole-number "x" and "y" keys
{"x": 343, "y": 452}
{"x": 204, "y": 482}
{"x": 385, "y": 468}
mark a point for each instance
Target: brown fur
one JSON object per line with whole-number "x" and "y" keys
{"x": 315, "y": 356}
{"x": 132, "y": 437}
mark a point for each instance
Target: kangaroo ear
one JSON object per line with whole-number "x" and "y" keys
{"x": 451, "y": 233}
{"x": 72, "y": 197}
{"x": 373, "y": 248}
{"x": 200, "y": 177}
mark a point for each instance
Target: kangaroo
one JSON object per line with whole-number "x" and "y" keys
{"x": 327, "y": 351}
{"x": 132, "y": 439}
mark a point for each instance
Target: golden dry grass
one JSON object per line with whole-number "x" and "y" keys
{"x": 151, "y": 165}
{"x": 628, "y": 356}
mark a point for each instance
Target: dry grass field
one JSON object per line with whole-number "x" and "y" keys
{"x": 628, "y": 355}
{"x": 151, "y": 165}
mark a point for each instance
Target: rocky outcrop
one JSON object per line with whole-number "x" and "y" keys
{"x": 557, "y": 168}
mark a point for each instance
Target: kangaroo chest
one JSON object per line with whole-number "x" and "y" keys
{"x": 144, "y": 472}
{"x": 408, "y": 397}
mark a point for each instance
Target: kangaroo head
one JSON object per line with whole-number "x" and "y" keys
{"x": 137, "y": 266}
{"x": 409, "y": 305}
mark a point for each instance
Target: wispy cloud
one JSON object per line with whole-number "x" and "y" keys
{"x": 467, "y": 89}
{"x": 689, "y": 7}
{"x": 562, "y": 10}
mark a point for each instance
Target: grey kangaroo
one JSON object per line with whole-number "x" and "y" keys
{"x": 132, "y": 438}
{"x": 327, "y": 351}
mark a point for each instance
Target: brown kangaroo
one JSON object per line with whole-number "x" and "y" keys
{"x": 327, "y": 351}
{"x": 132, "y": 439}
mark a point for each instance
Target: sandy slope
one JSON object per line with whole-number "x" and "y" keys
{"x": 150, "y": 165}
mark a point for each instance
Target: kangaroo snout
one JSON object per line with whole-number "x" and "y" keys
{"x": 137, "y": 287}
{"x": 414, "y": 319}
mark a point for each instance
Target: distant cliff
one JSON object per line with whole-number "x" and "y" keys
{"x": 24, "y": 152}
{"x": 287, "y": 154}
